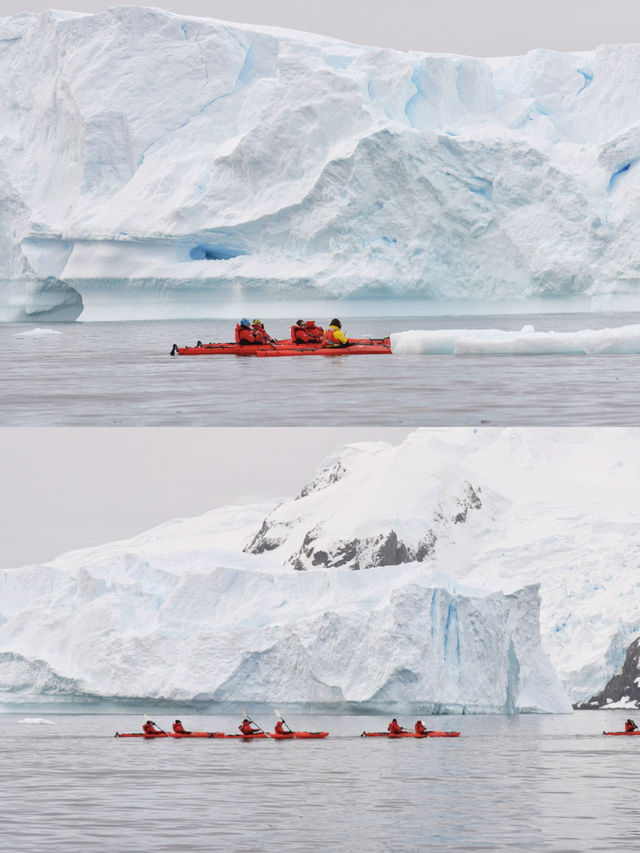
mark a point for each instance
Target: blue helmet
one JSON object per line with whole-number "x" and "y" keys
{"x": 245, "y": 322}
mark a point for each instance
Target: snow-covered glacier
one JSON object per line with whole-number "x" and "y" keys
{"x": 462, "y": 570}
{"x": 155, "y": 165}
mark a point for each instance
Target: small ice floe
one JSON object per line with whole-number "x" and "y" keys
{"x": 624, "y": 340}
{"x": 37, "y": 721}
{"x": 38, "y": 333}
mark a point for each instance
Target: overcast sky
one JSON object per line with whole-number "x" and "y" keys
{"x": 475, "y": 27}
{"x": 70, "y": 488}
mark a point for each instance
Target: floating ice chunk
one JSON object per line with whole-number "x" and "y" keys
{"x": 37, "y": 721}
{"x": 38, "y": 333}
{"x": 621, "y": 340}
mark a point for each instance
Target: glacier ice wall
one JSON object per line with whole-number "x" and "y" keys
{"x": 183, "y": 614}
{"x": 169, "y": 166}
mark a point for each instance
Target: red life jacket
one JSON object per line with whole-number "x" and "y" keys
{"x": 244, "y": 335}
{"x": 629, "y": 727}
{"x": 316, "y": 333}
{"x": 420, "y": 729}
{"x": 246, "y": 729}
{"x": 299, "y": 335}
{"x": 279, "y": 728}
{"x": 260, "y": 335}
{"x": 330, "y": 339}
{"x": 179, "y": 729}
{"x": 394, "y": 728}
{"x": 149, "y": 729}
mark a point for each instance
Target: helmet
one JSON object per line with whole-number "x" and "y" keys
{"x": 299, "y": 322}
{"x": 257, "y": 323}
{"x": 336, "y": 322}
{"x": 244, "y": 322}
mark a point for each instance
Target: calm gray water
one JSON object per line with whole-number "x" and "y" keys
{"x": 549, "y": 783}
{"x": 121, "y": 374}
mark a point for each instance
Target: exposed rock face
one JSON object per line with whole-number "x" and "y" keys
{"x": 623, "y": 690}
{"x": 384, "y": 549}
{"x": 326, "y": 477}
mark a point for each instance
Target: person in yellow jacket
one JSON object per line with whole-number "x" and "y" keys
{"x": 334, "y": 336}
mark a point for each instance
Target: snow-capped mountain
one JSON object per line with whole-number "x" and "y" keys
{"x": 459, "y": 570}
{"x": 155, "y": 165}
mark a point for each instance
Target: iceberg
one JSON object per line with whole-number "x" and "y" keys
{"x": 149, "y": 620}
{"x": 172, "y": 167}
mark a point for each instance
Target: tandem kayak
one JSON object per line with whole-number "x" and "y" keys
{"x": 410, "y": 734}
{"x": 359, "y": 346}
{"x": 299, "y": 735}
{"x": 637, "y": 732}
{"x": 166, "y": 734}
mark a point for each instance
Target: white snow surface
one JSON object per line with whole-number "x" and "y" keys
{"x": 525, "y": 593}
{"x": 620, "y": 340}
{"x": 155, "y": 165}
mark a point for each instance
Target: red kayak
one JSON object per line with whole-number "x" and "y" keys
{"x": 192, "y": 734}
{"x": 410, "y": 734}
{"x": 300, "y": 735}
{"x": 359, "y": 346}
{"x": 636, "y": 732}
{"x": 166, "y": 734}
{"x": 356, "y": 349}
{"x": 240, "y": 737}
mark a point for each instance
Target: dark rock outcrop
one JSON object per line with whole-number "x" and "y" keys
{"x": 385, "y": 548}
{"x": 624, "y": 686}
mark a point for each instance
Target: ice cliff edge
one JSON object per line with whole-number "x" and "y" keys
{"x": 155, "y": 165}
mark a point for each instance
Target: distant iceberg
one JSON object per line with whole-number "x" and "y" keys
{"x": 175, "y": 166}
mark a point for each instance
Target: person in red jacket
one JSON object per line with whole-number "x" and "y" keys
{"x": 394, "y": 727}
{"x": 420, "y": 729}
{"x": 630, "y": 726}
{"x": 244, "y": 334}
{"x": 316, "y": 333}
{"x": 334, "y": 336}
{"x": 179, "y": 729}
{"x": 247, "y": 729}
{"x": 260, "y": 334}
{"x": 299, "y": 334}
{"x": 149, "y": 728}
{"x": 279, "y": 729}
